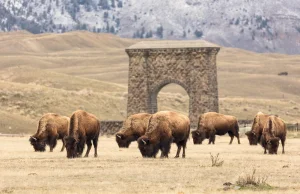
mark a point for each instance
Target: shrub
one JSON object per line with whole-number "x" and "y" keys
{"x": 253, "y": 181}
{"x": 215, "y": 160}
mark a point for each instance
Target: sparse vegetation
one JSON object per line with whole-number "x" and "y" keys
{"x": 251, "y": 181}
{"x": 216, "y": 161}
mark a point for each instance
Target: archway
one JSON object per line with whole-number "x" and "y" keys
{"x": 165, "y": 85}
{"x": 173, "y": 97}
{"x": 190, "y": 64}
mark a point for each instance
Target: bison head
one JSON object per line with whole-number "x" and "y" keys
{"x": 147, "y": 148}
{"x": 198, "y": 137}
{"x": 38, "y": 145}
{"x": 71, "y": 147}
{"x": 272, "y": 145}
{"x": 251, "y": 137}
{"x": 122, "y": 140}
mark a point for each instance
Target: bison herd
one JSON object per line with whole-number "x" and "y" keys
{"x": 154, "y": 132}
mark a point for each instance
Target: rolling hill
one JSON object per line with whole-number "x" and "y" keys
{"x": 63, "y": 72}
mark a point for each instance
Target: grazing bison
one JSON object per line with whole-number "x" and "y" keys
{"x": 51, "y": 127}
{"x": 164, "y": 128}
{"x": 258, "y": 124}
{"x": 84, "y": 128}
{"x": 211, "y": 124}
{"x": 274, "y": 131}
{"x": 134, "y": 127}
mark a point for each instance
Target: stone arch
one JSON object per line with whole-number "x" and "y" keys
{"x": 153, "y": 94}
{"x": 190, "y": 64}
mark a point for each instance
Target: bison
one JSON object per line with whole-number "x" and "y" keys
{"x": 211, "y": 124}
{"x": 134, "y": 127}
{"x": 84, "y": 128}
{"x": 51, "y": 127}
{"x": 274, "y": 131}
{"x": 164, "y": 128}
{"x": 258, "y": 124}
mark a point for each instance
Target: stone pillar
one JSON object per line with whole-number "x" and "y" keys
{"x": 137, "y": 83}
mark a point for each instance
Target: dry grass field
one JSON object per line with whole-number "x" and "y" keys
{"x": 63, "y": 72}
{"x": 124, "y": 170}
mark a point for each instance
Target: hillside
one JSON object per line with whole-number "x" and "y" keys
{"x": 253, "y": 25}
{"x": 63, "y": 72}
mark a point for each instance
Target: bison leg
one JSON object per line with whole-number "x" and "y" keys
{"x": 211, "y": 138}
{"x": 238, "y": 138}
{"x": 282, "y": 143}
{"x": 95, "y": 142}
{"x": 178, "y": 150}
{"x": 89, "y": 145}
{"x": 183, "y": 146}
{"x": 64, "y": 144}
{"x": 52, "y": 143}
{"x": 165, "y": 149}
{"x": 236, "y": 134}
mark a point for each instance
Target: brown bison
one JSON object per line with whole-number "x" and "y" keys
{"x": 134, "y": 127}
{"x": 51, "y": 127}
{"x": 211, "y": 124}
{"x": 274, "y": 131}
{"x": 258, "y": 124}
{"x": 84, "y": 128}
{"x": 164, "y": 128}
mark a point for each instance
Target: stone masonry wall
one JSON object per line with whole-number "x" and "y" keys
{"x": 110, "y": 127}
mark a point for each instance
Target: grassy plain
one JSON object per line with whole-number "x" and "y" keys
{"x": 124, "y": 170}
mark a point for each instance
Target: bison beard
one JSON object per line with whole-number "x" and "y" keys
{"x": 39, "y": 146}
{"x": 122, "y": 141}
{"x": 251, "y": 137}
{"x": 150, "y": 149}
{"x": 74, "y": 147}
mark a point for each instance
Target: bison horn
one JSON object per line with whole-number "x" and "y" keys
{"x": 34, "y": 138}
{"x": 119, "y": 136}
{"x": 144, "y": 141}
{"x": 269, "y": 142}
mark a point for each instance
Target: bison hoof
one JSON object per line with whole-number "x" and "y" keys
{"x": 95, "y": 155}
{"x": 176, "y": 156}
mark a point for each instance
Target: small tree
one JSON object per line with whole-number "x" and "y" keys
{"x": 160, "y": 31}
{"x": 198, "y": 33}
{"x": 112, "y": 30}
{"x": 120, "y": 4}
{"x": 113, "y": 3}
{"x": 105, "y": 15}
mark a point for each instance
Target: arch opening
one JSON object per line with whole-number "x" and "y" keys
{"x": 170, "y": 97}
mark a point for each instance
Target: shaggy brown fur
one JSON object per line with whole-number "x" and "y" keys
{"x": 258, "y": 124}
{"x": 274, "y": 130}
{"x": 164, "y": 128}
{"x": 211, "y": 124}
{"x": 51, "y": 127}
{"x": 84, "y": 128}
{"x": 134, "y": 127}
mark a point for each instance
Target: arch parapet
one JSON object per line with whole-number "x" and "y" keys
{"x": 190, "y": 64}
